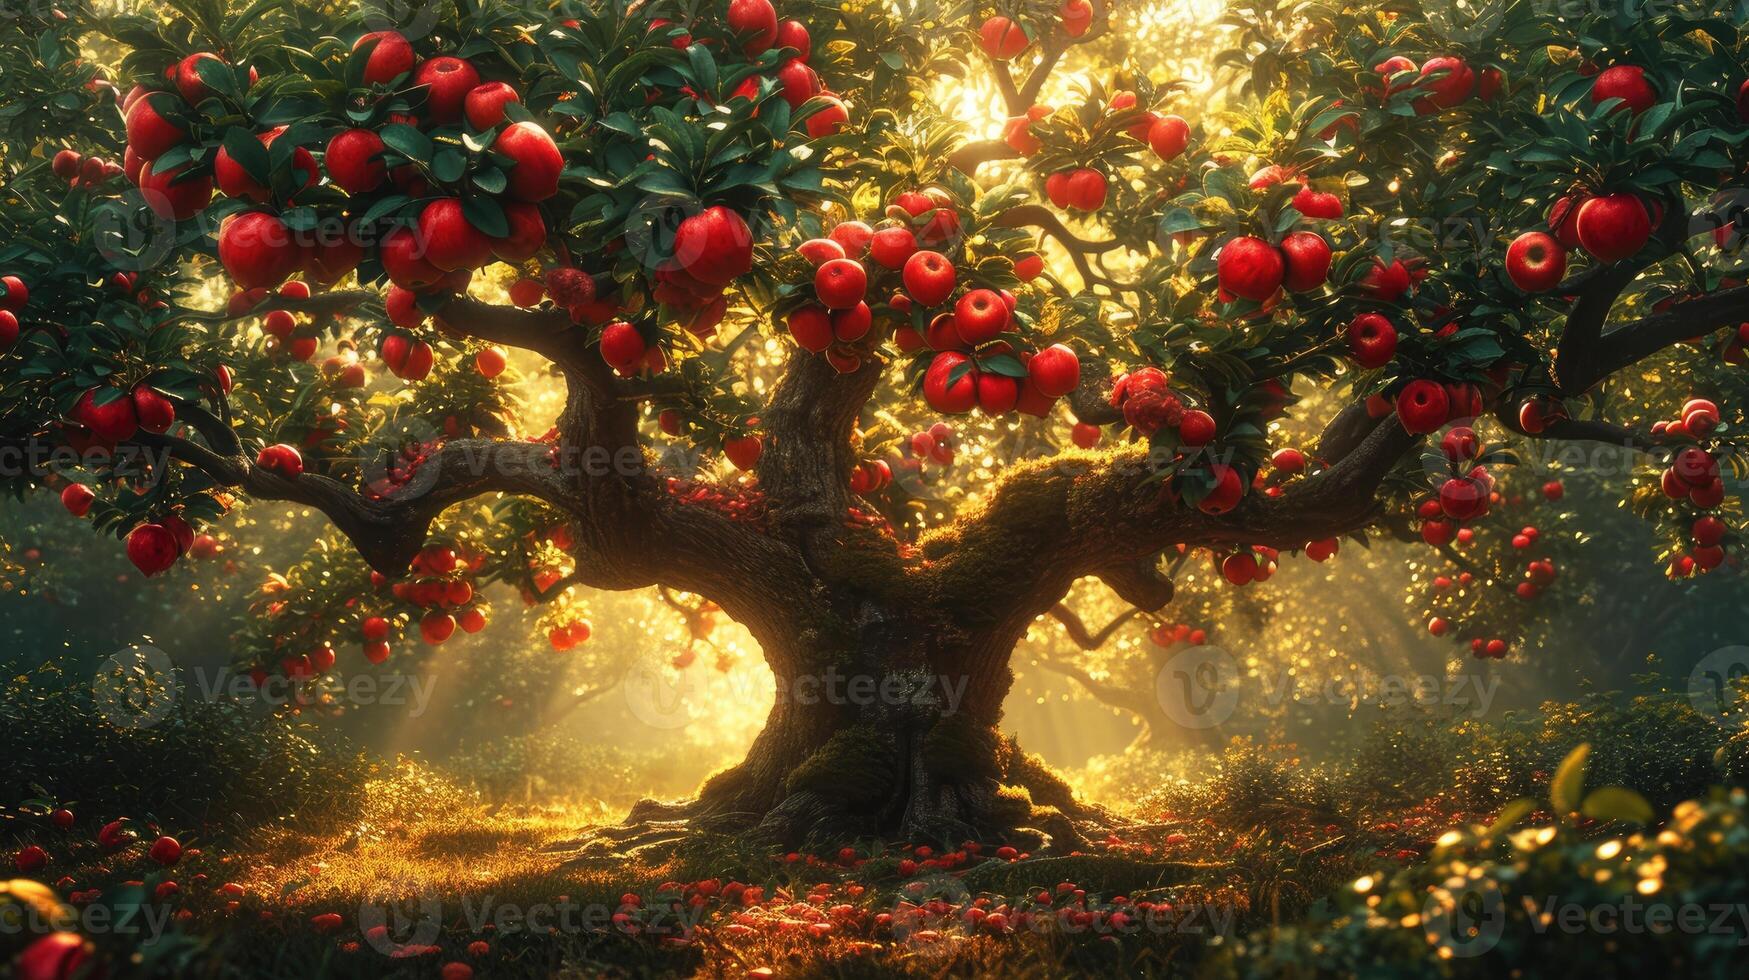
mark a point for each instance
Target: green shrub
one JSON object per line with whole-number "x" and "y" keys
{"x": 1535, "y": 901}
{"x": 217, "y": 765}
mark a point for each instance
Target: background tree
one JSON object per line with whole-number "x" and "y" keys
{"x": 721, "y": 238}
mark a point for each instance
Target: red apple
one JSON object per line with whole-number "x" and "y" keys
{"x": 1423, "y": 406}
{"x": 929, "y": 277}
{"x": 811, "y": 326}
{"x": 1627, "y": 83}
{"x": 484, "y": 104}
{"x": 170, "y": 196}
{"x": 1250, "y": 268}
{"x": 1168, "y": 136}
{"x": 152, "y": 549}
{"x": 840, "y": 283}
{"x": 150, "y": 131}
{"x": 448, "y": 81}
{"x": 354, "y": 161}
{"x": 819, "y": 251}
{"x": 743, "y": 451}
{"x": 979, "y": 316}
{"x": 1458, "y": 81}
{"x": 714, "y": 246}
{"x": 282, "y": 460}
{"x": 257, "y": 250}
{"x": 1535, "y": 262}
{"x": 391, "y": 56}
{"x": 1307, "y": 259}
{"x": 1054, "y": 371}
{"x": 111, "y": 421}
{"x": 1614, "y": 226}
{"x": 754, "y": 22}
{"x": 1002, "y": 39}
{"x": 950, "y": 386}
{"x": 535, "y": 161}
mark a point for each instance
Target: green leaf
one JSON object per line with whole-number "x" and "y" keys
{"x": 1617, "y": 803}
{"x": 485, "y": 214}
{"x": 1566, "y": 788}
{"x": 704, "y": 67}
{"x": 1510, "y": 815}
{"x": 246, "y": 150}
{"x": 1177, "y": 220}
{"x": 491, "y": 180}
{"x": 408, "y": 142}
{"x": 448, "y": 165}
{"x": 385, "y": 207}
{"x": 218, "y": 76}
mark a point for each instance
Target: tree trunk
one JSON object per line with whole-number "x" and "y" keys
{"x": 885, "y": 725}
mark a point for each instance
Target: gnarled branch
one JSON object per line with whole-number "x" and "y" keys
{"x": 389, "y": 530}
{"x": 1077, "y": 629}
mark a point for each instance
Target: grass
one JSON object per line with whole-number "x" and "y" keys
{"x": 1245, "y": 870}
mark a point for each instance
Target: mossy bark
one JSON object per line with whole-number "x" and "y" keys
{"x": 886, "y": 725}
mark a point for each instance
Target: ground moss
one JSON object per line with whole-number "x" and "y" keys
{"x": 960, "y": 746}
{"x": 1045, "y": 785}
{"x": 855, "y": 766}
{"x": 1010, "y": 806}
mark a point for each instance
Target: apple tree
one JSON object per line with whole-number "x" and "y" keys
{"x": 756, "y": 260}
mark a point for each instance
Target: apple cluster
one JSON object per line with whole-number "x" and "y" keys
{"x": 1086, "y": 188}
{"x": 1465, "y": 495}
{"x": 80, "y": 171}
{"x": 14, "y": 295}
{"x": 966, "y": 336}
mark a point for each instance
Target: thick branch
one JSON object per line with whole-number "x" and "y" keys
{"x": 1112, "y": 694}
{"x": 1139, "y": 583}
{"x": 388, "y": 531}
{"x": 805, "y": 468}
{"x": 548, "y": 332}
{"x": 970, "y": 156}
{"x": 1633, "y": 342}
{"x": 1076, "y": 627}
{"x": 1345, "y": 432}
{"x": 1040, "y": 217}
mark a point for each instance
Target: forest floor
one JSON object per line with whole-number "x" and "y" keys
{"x": 1428, "y": 850}
{"x": 422, "y": 880}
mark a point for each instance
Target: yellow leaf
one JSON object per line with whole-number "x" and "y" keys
{"x": 1569, "y": 781}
